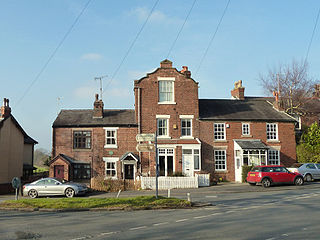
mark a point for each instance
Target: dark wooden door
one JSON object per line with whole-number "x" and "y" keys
{"x": 128, "y": 171}
{"x": 59, "y": 171}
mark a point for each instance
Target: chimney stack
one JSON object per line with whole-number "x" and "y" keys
{"x": 238, "y": 91}
{"x": 166, "y": 64}
{"x": 5, "y": 109}
{"x": 277, "y": 103}
{"x": 98, "y": 108}
{"x": 185, "y": 71}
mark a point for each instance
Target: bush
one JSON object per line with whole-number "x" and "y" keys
{"x": 245, "y": 170}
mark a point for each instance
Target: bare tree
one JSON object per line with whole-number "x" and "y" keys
{"x": 292, "y": 82}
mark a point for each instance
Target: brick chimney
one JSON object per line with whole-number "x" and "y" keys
{"x": 185, "y": 71}
{"x": 166, "y": 64}
{"x": 277, "y": 103}
{"x": 5, "y": 109}
{"x": 238, "y": 91}
{"x": 98, "y": 108}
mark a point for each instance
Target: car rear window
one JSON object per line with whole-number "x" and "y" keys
{"x": 256, "y": 169}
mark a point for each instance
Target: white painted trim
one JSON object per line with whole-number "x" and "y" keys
{"x": 162, "y": 116}
{"x": 277, "y": 129}
{"x": 167, "y": 103}
{"x": 116, "y": 137}
{"x": 226, "y": 165}
{"x": 247, "y": 135}
{"x": 186, "y": 116}
{"x": 111, "y": 128}
{"x": 166, "y": 79}
{"x": 191, "y": 132}
{"x": 110, "y": 159}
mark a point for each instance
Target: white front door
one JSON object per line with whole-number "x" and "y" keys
{"x": 238, "y": 169}
{"x": 187, "y": 165}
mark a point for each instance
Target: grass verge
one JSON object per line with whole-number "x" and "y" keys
{"x": 143, "y": 202}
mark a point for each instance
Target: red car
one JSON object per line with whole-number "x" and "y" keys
{"x": 273, "y": 174}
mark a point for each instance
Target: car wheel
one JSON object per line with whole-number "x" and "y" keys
{"x": 69, "y": 193}
{"x": 33, "y": 193}
{"x": 298, "y": 181}
{"x": 266, "y": 183}
{"x": 252, "y": 184}
{"x": 308, "y": 178}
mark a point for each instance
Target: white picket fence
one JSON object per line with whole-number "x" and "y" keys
{"x": 175, "y": 182}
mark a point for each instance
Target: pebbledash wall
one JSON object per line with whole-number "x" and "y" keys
{"x": 184, "y": 105}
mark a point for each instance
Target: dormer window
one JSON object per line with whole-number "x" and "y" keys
{"x": 166, "y": 90}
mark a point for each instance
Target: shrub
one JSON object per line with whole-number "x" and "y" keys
{"x": 245, "y": 170}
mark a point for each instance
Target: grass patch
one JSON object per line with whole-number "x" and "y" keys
{"x": 143, "y": 202}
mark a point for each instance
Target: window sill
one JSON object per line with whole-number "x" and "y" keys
{"x": 110, "y": 146}
{"x": 222, "y": 141}
{"x": 163, "y": 137}
{"x": 112, "y": 178}
{"x": 82, "y": 149}
{"x": 186, "y": 137}
{"x": 220, "y": 171}
{"x": 273, "y": 141}
{"x": 172, "y": 103}
{"x": 246, "y": 136}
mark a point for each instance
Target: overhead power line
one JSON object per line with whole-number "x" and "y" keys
{"x": 53, "y": 53}
{"x": 130, "y": 47}
{"x": 174, "y": 42}
{"x": 213, "y": 37}
{"x": 312, "y": 35}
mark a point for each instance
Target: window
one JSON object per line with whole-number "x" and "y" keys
{"x": 196, "y": 158}
{"x": 220, "y": 160}
{"x": 219, "y": 131}
{"x": 166, "y": 90}
{"x": 110, "y": 167}
{"x": 186, "y": 127}
{"x": 310, "y": 166}
{"x": 162, "y": 127}
{"x": 274, "y": 158}
{"x": 81, "y": 171}
{"x": 82, "y": 139}
{"x": 111, "y": 137}
{"x": 272, "y": 133}
{"x": 166, "y": 165}
{"x": 245, "y": 129}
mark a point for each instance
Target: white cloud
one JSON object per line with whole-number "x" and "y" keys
{"x": 86, "y": 92}
{"x": 135, "y": 74}
{"x": 157, "y": 16}
{"x": 91, "y": 56}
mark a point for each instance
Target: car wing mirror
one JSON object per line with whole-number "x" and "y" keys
{"x": 57, "y": 183}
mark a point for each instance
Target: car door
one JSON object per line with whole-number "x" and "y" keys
{"x": 282, "y": 175}
{"x": 318, "y": 170}
{"x": 311, "y": 168}
{"x": 40, "y": 187}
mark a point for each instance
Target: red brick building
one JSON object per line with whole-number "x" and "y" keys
{"x": 194, "y": 135}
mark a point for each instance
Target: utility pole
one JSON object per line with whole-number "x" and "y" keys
{"x": 100, "y": 79}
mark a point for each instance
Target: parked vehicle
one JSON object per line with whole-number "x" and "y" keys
{"x": 273, "y": 174}
{"x": 309, "y": 171}
{"x": 52, "y": 186}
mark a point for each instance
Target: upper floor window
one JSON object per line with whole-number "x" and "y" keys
{"x": 245, "y": 129}
{"x": 162, "y": 125}
{"x": 272, "y": 131}
{"x": 166, "y": 89}
{"x": 186, "y": 127}
{"x": 82, "y": 139}
{"x": 219, "y": 131}
{"x": 111, "y": 137}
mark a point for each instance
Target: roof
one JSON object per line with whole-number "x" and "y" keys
{"x": 68, "y": 159}
{"x": 251, "y": 144}
{"x": 27, "y": 138}
{"x": 84, "y": 118}
{"x": 129, "y": 156}
{"x": 250, "y": 109}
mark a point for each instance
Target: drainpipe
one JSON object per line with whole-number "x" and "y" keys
{"x": 139, "y": 126}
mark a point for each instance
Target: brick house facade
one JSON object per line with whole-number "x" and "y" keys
{"x": 194, "y": 135}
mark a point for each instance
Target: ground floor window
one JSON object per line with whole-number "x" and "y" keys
{"x": 274, "y": 157}
{"x": 110, "y": 167}
{"x": 254, "y": 157}
{"x": 220, "y": 160}
{"x": 81, "y": 171}
{"x": 166, "y": 165}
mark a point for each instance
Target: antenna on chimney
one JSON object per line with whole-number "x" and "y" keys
{"x": 100, "y": 78}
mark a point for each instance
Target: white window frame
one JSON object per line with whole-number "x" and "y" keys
{"x": 220, "y": 164}
{"x": 167, "y": 152}
{"x": 115, "y": 129}
{"x": 274, "y": 153}
{"x": 166, "y": 118}
{"x": 186, "y": 118}
{"x": 168, "y": 79}
{"x": 270, "y": 129}
{"x": 110, "y": 160}
{"x": 245, "y": 127}
{"x": 224, "y": 132}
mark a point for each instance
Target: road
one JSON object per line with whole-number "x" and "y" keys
{"x": 286, "y": 212}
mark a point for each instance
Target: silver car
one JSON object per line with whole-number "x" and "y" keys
{"x": 52, "y": 186}
{"x": 310, "y": 171}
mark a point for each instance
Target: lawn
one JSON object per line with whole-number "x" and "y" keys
{"x": 143, "y": 202}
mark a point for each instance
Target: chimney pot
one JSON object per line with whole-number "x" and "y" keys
{"x": 5, "y": 109}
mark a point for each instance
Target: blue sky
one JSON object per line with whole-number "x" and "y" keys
{"x": 253, "y": 36}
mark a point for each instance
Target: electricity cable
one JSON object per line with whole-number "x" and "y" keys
{"x": 312, "y": 35}
{"x": 53, "y": 53}
{"x": 213, "y": 37}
